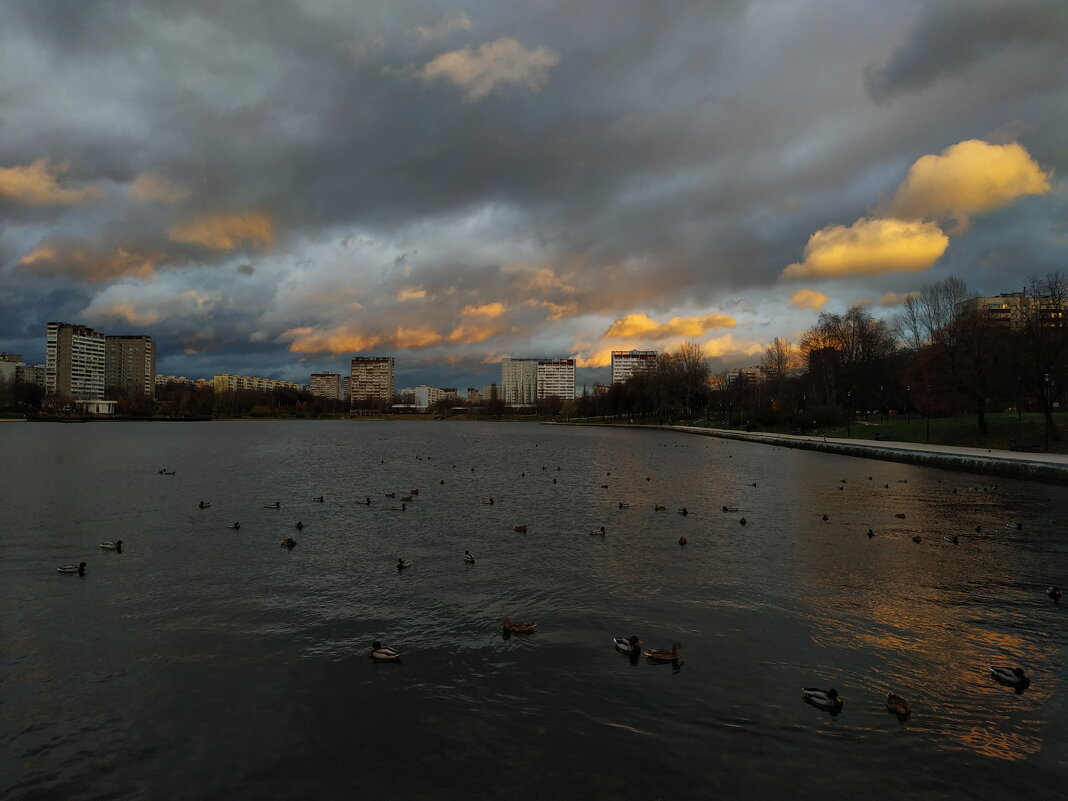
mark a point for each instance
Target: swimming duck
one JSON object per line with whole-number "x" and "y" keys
{"x": 683, "y": 540}
{"x": 365, "y": 502}
{"x": 112, "y": 546}
{"x": 598, "y": 532}
{"x": 742, "y": 521}
{"x": 604, "y": 486}
{"x": 469, "y": 558}
{"x": 319, "y": 499}
{"x": 627, "y": 646}
{"x": 275, "y": 505}
{"x": 1055, "y": 594}
{"x": 298, "y": 526}
{"x": 205, "y": 504}
{"x": 402, "y": 508}
{"x": 917, "y": 539}
{"x": 871, "y": 533}
{"x": 824, "y": 699}
{"x": 951, "y": 538}
{"x": 684, "y": 511}
{"x": 235, "y": 525}
{"x": 391, "y": 495}
{"x": 381, "y": 654}
{"x": 407, "y": 499}
{"x": 624, "y": 505}
{"x": 730, "y": 508}
{"x": 663, "y": 655}
{"x": 522, "y": 529}
{"x": 898, "y": 705}
{"x": 403, "y": 563}
{"x": 289, "y": 542}
{"x": 413, "y": 492}
{"x": 658, "y": 508}
{"x": 826, "y": 518}
{"x": 1014, "y": 677}
{"x": 978, "y": 529}
{"x": 78, "y": 568}
{"x": 488, "y": 501}
{"x": 518, "y": 628}
{"x": 900, "y": 515}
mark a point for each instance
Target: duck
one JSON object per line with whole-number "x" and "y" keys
{"x": 402, "y": 508}
{"x": 898, "y": 705}
{"x": 730, "y": 508}
{"x": 743, "y": 521}
{"x": 78, "y": 568}
{"x": 917, "y": 539}
{"x": 413, "y": 492}
{"x": 469, "y": 558}
{"x": 522, "y": 529}
{"x": 289, "y": 542}
{"x": 627, "y": 646}
{"x": 979, "y": 529}
{"x": 824, "y": 699}
{"x": 403, "y": 563}
{"x": 365, "y": 502}
{"x": 871, "y": 533}
{"x": 112, "y": 546}
{"x": 683, "y": 540}
{"x": 319, "y": 499}
{"x": 235, "y": 525}
{"x": 379, "y": 653}
{"x": 487, "y": 501}
{"x": 275, "y": 505}
{"x": 407, "y": 499}
{"x": 1055, "y": 594}
{"x": 663, "y": 655}
{"x": 826, "y": 518}
{"x": 659, "y": 508}
{"x": 951, "y": 538}
{"x": 518, "y": 628}
{"x": 604, "y": 486}
{"x": 298, "y": 526}
{"x": 205, "y": 504}
{"x": 598, "y": 532}
{"x": 900, "y": 515}
{"x": 624, "y": 505}
{"x": 684, "y": 511}
{"x": 1014, "y": 677}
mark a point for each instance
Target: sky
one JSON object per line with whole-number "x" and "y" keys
{"x": 269, "y": 187}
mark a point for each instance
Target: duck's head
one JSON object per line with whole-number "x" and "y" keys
{"x": 376, "y": 645}
{"x": 832, "y": 694}
{"x": 81, "y": 565}
{"x": 634, "y": 640}
{"x": 118, "y": 543}
{"x": 1018, "y": 672}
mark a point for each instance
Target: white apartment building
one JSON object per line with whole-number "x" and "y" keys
{"x": 556, "y": 378}
{"x": 626, "y": 363}
{"x": 74, "y": 361}
{"x": 372, "y": 378}
{"x": 225, "y": 382}
{"x": 519, "y": 381}
{"x": 325, "y": 385}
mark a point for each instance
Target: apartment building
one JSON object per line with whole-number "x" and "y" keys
{"x": 626, "y": 363}
{"x": 74, "y": 361}
{"x": 556, "y": 378}
{"x": 325, "y": 385}
{"x": 129, "y": 366}
{"x": 372, "y": 378}
{"x": 519, "y": 381}
{"x": 225, "y": 382}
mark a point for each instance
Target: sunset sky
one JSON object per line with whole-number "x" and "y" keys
{"x": 269, "y": 187}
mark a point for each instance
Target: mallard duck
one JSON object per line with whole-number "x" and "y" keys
{"x": 381, "y": 654}
{"x": 730, "y": 508}
{"x": 951, "y": 538}
{"x": 518, "y": 628}
{"x": 298, "y": 526}
{"x": 683, "y": 540}
{"x": 391, "y": 495}
{"x": 522, "y": 529}
{"x": 898, "y": 705}
{"x": 604, "y": 486}
{"x": 403, "y": 563}
{"x": 658, "y": 508}
{"x": 112, "y": 546}
{"x": 413, "y": 492}
{"x": 663, "y": 655}
{"x": 624, "y": 505}
{"x": 826, "y": 518}
{"x": 871, "y": 533}
{"x": 78, "y": 568}
{"x": 598, "y": 532}
{"x": 235, "y": 525}
{"x": 407, "y": 498}
{"x": 289, "y": 542}
{"x": 487, "y": 501}
{"x": 900, "y": 515}
{"x": 275, "y": 505}
{"x": 917, "y": 539}
{"x": 205, "y": 504}
{"x": 684, "y": 511}
{"x": 469, "y": 558}
{"x": 319, "y": 499}
{"x": 743, "y": 521}
{"x": 1014, "y": 677}
{"x": 1055, "y": 594}
{"x": 402, "y": 508}
{"x": 629, "y": 646}
{"x": 824, "y": 699}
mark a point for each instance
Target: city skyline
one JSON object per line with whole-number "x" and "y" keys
{"x": 478, "y": 181}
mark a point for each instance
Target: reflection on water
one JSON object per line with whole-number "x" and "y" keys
{"x": 208, "y": 662}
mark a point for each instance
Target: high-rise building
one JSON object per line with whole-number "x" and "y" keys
{"x": 626, "y": 363}
{"x": 129, "y": 366}
{"x": 473, "y": 396}
{"x": 325, "y": 385}
{"x": 519, "y": 381}
{"x": 226, "y": 382}
{"x": 14, "y": 358}
{"x": 556, "y": 378}
{"x": 74, "y": 361}
{"x": 372, "y": 378}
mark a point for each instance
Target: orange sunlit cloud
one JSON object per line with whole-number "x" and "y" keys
{"x": 895, "y": 298}
{"x": 411, "y": 293}
{"x": 871, "y": 246}
{"x": 727, "y": 345}
{"x": 90, "y": 266}
{"x": 498, "y": 63}
{"x": 558, "y": 311}
{"x": 635, "y": 326}
{"x": 156, "y": 187}
{"x": 970, "y": 177}
{"x": 37, "y": 184}
{"x": 343, "y": 339}
{"x": 491, "y": 310}
{"x": 127, "y": 313}
{"x": 225, "y": 231}
{"x": 808, "y": 299}
{"x": 470, "y": 334}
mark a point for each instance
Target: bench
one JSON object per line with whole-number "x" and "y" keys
{"x": 1025, "y": 447}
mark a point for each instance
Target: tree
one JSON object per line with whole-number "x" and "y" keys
{"x": 1042, "y": 340}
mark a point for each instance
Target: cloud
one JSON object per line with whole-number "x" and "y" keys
{"x": 225, "y": 231}
{"x": 871, "y": 246}
{"x": 155, "y": 187}
{"x": 468, "y": 334}
{"x": 558, "y": 311}
{"x": 122, "y": 311}
{"x": 411, "y": 293}
{"x": 896, "y": 298}
{"x": 90, "y": 266}
{"x": 727, "y": 345}
{"x": 641, "y": 326}
{"x": 495, "y": 309}
{"x": 503, "y": 62}
{"x": 450, "y": 23}
{"x": 969, "y": 177}
{"x": 37, "y": 184}
{"x": 808, "y": 299}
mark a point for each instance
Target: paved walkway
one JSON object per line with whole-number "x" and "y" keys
{"x": 1051, "y": 467}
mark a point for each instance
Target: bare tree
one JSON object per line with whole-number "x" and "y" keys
{"x": 779, "y": 358}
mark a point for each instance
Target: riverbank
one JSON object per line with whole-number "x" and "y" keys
{"x": 1048, "y": 467}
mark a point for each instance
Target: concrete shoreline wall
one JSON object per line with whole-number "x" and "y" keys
{"x": 991, "y": 465}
